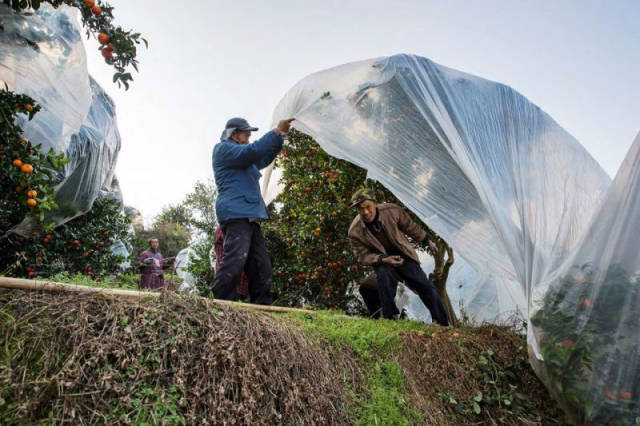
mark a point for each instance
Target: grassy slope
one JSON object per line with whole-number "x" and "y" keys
{"x": 369, "y": 372}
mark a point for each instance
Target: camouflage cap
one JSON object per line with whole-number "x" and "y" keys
{"x": 362, "y": 194}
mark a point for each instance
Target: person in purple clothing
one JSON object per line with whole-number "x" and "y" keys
{"x": 152, "y": 265}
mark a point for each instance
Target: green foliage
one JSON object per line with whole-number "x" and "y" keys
{"x": 172, "y": 237}
{"x": 179, "y": 214}
{"x": 496, "y": 388}
{"x": 82, "y": 245}
{"x": 373, "y": 341}
{"x": 579, "y": 323}
{"x": 200, "y": 266}
{"x": 155, "y": 406}
{"x": 122, "y": 281}
{"x": 386, "y": 403}
{"x": 120, "y": 49}
{"x": 16, "y": 182}
{"x": 307, "y": 236}
{"x": 363, "y": 336}
{"x": 200, "y": 205}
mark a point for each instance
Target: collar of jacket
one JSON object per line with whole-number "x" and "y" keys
{"x": 369, "y": 236}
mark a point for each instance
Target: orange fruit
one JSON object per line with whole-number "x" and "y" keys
{"x": 31, "y": 202}
{"x": 456, "y": 335}
{"x": 19, "y": 188}
{"x": 85, "y": 254}
{"x": 89, "y": 3}
{"x": 626, "y": 395}
{"x": 609, "y": 395}
{"x": 26, "y": 169}
{"x": 32, "y": 194}
{"x": 96, "y": 10}
{"x": 31, "y": 274}
{"x": 28, "y": 107}
{"x": 23, "y": 140}
{"x": 107, "y": 52}
{"x": 17, "y": 163}
{"x": 103, "y": 38}
{"x": 46, "y": 240}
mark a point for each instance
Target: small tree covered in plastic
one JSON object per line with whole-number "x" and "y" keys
{"x": 307, "y": 236}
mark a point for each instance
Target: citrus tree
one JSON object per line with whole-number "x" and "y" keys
{"x": 82, "y": 245}
{"x": 27, "y": 174}
{"x": 307, "y": 236}
{"x": 117, "y": 46}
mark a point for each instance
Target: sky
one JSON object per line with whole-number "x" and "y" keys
{"x": 212, "y": 60}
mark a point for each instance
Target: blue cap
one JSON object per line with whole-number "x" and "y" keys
{"x": 238, "y": 123}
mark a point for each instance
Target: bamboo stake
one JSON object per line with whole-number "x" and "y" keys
{"x": 52, "y": 286}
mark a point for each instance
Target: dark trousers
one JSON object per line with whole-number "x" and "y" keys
{"x": 371, "y": 299}
{"x": 244, "y": 249}
{"x": 414, "y": 277}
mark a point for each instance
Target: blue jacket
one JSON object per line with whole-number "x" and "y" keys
{"x": 236, "y": 171}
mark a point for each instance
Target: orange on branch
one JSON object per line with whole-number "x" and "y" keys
{"x": 31, "y": 202}
{"x": 26, "y": 169}
{"x": 107, "y": 52}
{"x": 103, "y": 38}
{"x": 17, "y": 163}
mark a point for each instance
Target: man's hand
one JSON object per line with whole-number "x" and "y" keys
{"x": 393, "y": 260}
{"x": 283, "y": 126}
{"x": 432, "y": 247}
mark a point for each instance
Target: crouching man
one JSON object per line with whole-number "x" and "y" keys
{"x": 378, "y": 236}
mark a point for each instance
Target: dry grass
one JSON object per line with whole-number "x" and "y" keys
{"x": 86, "y": 359}
{"x": 79, "y": 359}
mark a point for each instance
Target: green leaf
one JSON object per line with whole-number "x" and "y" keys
{"x": 476, "y": 408}
{"x": 478, "y": 397}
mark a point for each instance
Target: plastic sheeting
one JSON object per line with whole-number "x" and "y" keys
{"x": 42, "y": 55}
{"x": 475, "y": 297}
{"x": 511, "y": 191}
{"x": 182, "y": 264}
{"x": 587, "y": 322}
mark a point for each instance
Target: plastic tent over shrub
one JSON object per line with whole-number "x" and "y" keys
{"x": 42, "y": 55}
{"x": 514, "y": 194}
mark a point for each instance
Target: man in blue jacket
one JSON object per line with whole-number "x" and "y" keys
{"x": 240, "y": 208}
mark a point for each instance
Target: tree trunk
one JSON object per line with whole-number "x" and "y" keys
{"x": 441, "y": 274}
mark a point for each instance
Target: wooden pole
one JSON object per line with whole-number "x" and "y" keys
{"x": 52, "y": 286}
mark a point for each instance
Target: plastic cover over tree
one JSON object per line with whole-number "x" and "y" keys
{"x": 42, "y": 55}
{"x": 509, "y": 189}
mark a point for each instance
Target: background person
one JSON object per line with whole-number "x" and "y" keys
{"x": 152, "y": 264}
